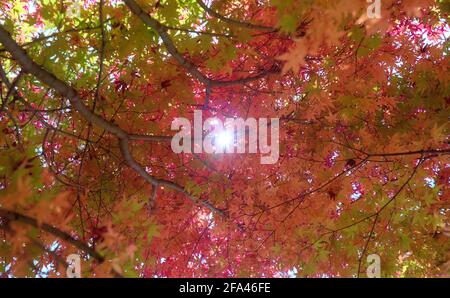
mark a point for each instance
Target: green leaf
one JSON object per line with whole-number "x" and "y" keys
{"x": 153, "y": 231}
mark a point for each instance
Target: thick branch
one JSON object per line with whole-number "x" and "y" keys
{"x": 189, "y": 66}
{"x": 430, "y": 151}
{"x": 15, "y": 216}
{"x": 29, "y": 66}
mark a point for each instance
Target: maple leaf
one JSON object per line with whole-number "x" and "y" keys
{"x": 295, "y": 58}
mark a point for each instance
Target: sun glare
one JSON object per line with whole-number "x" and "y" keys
{"x": 224, "y": 139}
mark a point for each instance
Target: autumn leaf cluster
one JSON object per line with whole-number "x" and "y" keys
{"x": 88, "y": 94}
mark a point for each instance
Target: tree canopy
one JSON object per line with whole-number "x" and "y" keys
{"x": 89, "y": 89}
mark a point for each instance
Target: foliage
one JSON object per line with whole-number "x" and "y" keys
{"x": 86, "y": 165}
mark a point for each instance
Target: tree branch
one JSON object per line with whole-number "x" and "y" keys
{"x": 189, "y": 66}
{"x": 15, "y": 216}
{"x": 232, "y": 21}
{"x": 29, "y": 66}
